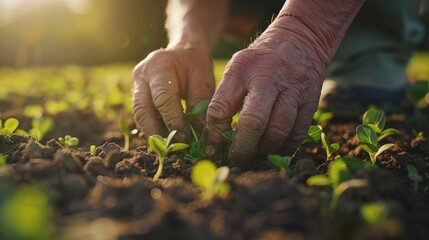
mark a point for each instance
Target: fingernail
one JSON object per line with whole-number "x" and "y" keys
{"x": 210, "y": 150}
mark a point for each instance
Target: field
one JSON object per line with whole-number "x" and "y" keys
{"x": 99, "y": 189}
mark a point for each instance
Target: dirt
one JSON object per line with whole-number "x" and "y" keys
{"x": 110, "y": 194}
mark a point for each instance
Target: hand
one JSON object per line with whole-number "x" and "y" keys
{"x": 280, "y": 86}
{"x": 161, "y": 80}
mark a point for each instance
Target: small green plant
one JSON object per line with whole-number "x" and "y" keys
{"x": 313, "y": 135}
{"x": 420, "y": 136}
{"x": 210, "y": 180}
{"x": 281, "y": 162}
{"x": 374, "y": 213}
{"x": 329, "y": 148}
{"x": 321, "y": 117}
{"x": 196, "y": 148}
{"x": 414, "y": 176}
{"x": 40, "y": 126}
{"x": 127, "y": 134}
{"x": 92, "y": 149}
{"x": 2, "y": 160}
{"x": 371, "y": 132}
{"x": 162, "y": 147}
{"x": 68, "y": 141}
{"x": 9, "y": 126}
{"x": 338, "y": 179}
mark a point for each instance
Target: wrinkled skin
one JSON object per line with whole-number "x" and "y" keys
{"x": 280, "y": 87}
{"x": 162, "y": 79}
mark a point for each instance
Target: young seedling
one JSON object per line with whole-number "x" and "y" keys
{"x": 40, "y": 126}
{"x": 414, "y": 176}
{"x": 329, "y": 148}
{"x": 68, "y": 141}
{"x": 371, "y": 132}
{"x": 368, "y": 140}
{"x": 127, "y": 134}
{"x": 162, "y": 147}
{"x": 281, "y": 162}
{"x": 374, "y": 213}
{"x": 196, "y": 148}
{"x": 92, "y": 149}
{"x": 313, "y": 135}
{"x": 338, "y": 179}
{"x": 2, "y": 160}
{"x": 210, "y": 180}
{"x": 321, "y": 117}
{"x": 9, "y": 126}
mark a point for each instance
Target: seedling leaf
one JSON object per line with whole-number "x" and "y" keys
{"x": 157, "y": 143}
{"x": 279, "y": 161}
{"x": 204, "y": 174}
{"x": 413, "y": 174}
{"x": 318, "y": 180}
{"x": 387, "y": 132}
{"x": 228, "y": 135}
{"x": 373, "y": 213}
{"x": 170, "y": 137}
{"x": 375, "y": 117}
{"x": 367, "y": 134}
{"x": 199, "y": 108}
{"x": 177, "y": 147}
{"x": 368, "y": 147}
{"x": 11, "y": 124}
{"x": 337, "y": 172}
{"x": 384, "y": 148}
{"x": 313, "y": 135}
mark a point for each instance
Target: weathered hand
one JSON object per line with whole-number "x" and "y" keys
{"x": 278, "y": 87}
{"x": 162, "y": 79}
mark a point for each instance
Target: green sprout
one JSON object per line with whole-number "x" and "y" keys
{"x": 371, "y": 132}
{"x": 9, "y": 126}
{"x": 127, "y": 134}
{"x": 92, "y": 149}
{"x": 210, "y": 180}
{"x": 162, "y": 147}
{"x": 329, "y": 148}
{"x": 196, "y": 148}
{"x": 281, "y": 162}
{"x": 2, "y": 160}
{"x": 228, "y": 135}
{"x": 68, "y": 141}
{"x": 338, "y": 179}
{"x": 313, "y": 135}
{"x": 321, "y": 117}
{"x": 414, "y": 176}
{"x": 374, "y": 213}
{"x": 40, "y": 126}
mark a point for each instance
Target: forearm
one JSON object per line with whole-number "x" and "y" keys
{"x": 196, "y": 23}
{"x": 320, "y": 23}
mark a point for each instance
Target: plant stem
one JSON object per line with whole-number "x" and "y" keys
{"x": 127, "y": 142}
{"x": 372, "y": 157}
{"x": 159, "y": 171}
{"x": 194, "y": 134}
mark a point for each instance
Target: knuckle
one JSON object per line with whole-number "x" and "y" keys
{"x": 251, "y": 124}
{"x": 217, "y": 110}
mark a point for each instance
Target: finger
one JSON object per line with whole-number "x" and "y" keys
{"x": 225, "y": 103}
{"x": 165, "y": 96}
{"x": 252, "y": 122}
{"x": 299, "y": 130}
{"x": 281, "y": 120}
{"x": 146, "y": 116}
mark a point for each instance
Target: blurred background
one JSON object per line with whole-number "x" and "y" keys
{"x": 47, "y": 32}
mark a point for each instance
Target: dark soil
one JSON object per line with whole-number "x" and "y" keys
{"x": 110, "y": 194}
